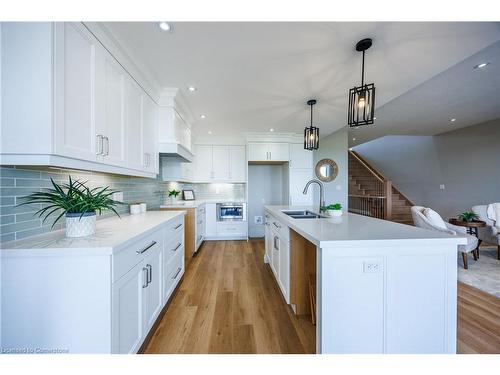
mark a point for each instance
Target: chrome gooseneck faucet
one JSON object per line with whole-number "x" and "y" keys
{"x": 321, "y": 192}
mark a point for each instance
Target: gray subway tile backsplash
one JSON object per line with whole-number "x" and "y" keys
{"x": 18, "y": 222}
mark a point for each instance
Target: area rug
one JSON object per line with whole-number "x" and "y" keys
{"x": 483, "y": 274}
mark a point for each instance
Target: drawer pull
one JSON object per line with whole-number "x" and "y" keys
{"x": 150, "y": 273}
{"x": 146, "y": 248}
{"x": 177, "y": 273}
{"x": 277, "y": 225}
{"x": 177, "y": 247}
{"x": 178, "y": 226}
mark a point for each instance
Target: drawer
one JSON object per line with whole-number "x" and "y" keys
{"x": 174, "y": 246}
{"x": 237, "y": 228}
{"x": 173, "y": 228}
{"x": 126, "y": 259}
{"x": 200, "y": 211}
{"x": 173, "y": 271}
{"x": 282, "y": 230}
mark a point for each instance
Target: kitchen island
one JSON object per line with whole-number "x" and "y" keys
{"x": 380, "y": 287}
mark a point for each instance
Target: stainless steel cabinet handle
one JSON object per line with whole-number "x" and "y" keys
{"x": 178, "y": 226}
{"x": 177, "y": 247}
{"x": 276, "y": 243}
{"x": 144, "y": 279}
{"x": 270, "y": 155}
{"x": 107, "y": 146}
{"x": 99, "y": 144}
{"x": 177, "y": 273}
{"x": 277, "y": 225}
{"x": 200, "y": 237}
{"x": 146, "y": 248}
{"x": 150, "y": 273}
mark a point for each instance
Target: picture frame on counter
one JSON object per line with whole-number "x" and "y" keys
{"x": 188, "y": 195}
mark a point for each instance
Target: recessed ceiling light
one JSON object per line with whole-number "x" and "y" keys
{"x": 165, "y": 26}
{"x": 209, "y": 132}
{"x": 481, "y": 65}
{"x": 192, "y": 88}
{"x": 271, "y": 130}
{"x": 203, "y": 117}
{"x": 453, "y": 119}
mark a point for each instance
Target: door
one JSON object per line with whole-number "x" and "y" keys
{"x": 297, "y": 181}
{"x": 127, "y": 311}
{"x": 279, "y": 152}
{"x": 75, "y": 91}
{"x": 258, "y": 151}
{"x": 133, "y": 124}
{"x": 300, "y": 158}
{"x": 237, "y": 163}
{"x": 150, "y": 135}
{"x": 220, "y": 163}
{"x": 111, "y": 125}
{"x": 152, "y": 293}
{"x": 203, "y": 163}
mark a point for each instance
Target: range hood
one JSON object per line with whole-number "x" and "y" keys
{"x": 175, "y": 150}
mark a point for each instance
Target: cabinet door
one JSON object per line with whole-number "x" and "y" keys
{"x": 203, "y": 163}
{"x": 237, "y": 163}
{"x": 300, "y": 158}
{"x": 112, "y": 126}
{"x": 75, "y": 94}
{"x": 279, "y": 151}
{"x": 133, "y": 124}
{"x": 275, "y": 258}
{"x": 211, "y": 220}
{"x": 284, "y": 269}
{"x": 127, "y": 311}
{"x": 268, "y": 238}
{"x": 258, "y": 151}
{"x": 150, "y": 135}
{"x": 153, "y": 301}
{"x": 220, "y": 163}
{"x": 297, "y": 180}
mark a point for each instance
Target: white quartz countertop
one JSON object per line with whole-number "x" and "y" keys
{"x": 354, "y": 228}
{"x": 111, "y": 235}
{"x": 199, "y": 202}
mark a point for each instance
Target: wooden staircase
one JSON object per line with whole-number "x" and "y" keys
{"x": 371, "y": 194}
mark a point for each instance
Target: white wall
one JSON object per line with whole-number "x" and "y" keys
{"x": 334, "y": 147}
{"x": 265, "y": 187}
{"x": 466, "y": 161}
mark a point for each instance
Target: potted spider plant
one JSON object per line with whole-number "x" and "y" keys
{"x": 77, "y": 202}
{"x": 334, "y": 209}
{"x": 173, "y": 195}
{"x": 468, "y": 216}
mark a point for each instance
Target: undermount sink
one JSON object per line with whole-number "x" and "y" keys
{"x": 305, "y": 214}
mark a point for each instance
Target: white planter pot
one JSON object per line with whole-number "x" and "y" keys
{"x": 334, "y": 213}
{"x": 173, "y": 200}
{"x": 80, "y": 227}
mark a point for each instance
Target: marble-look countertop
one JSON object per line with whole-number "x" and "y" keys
{"x": 353, "y": 228}
{"x": 112, "y": 234}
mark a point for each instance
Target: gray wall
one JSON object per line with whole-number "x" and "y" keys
{"x": 334, "y": 147}
{"x": 466, "y": 161}
{"x": 265, "y": 187}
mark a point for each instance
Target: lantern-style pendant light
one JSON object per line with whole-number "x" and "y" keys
{"x": 311, "y": 133}
{"x": 362, "y": 98}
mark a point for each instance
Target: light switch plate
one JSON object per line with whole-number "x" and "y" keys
{"x": 258, "y": 220}
{"x": 441, "y": 187}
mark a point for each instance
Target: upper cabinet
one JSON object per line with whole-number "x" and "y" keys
{"x": 274, "y": 152}
{"x": 237, "y": 163}
{"x": 85, "y": 110}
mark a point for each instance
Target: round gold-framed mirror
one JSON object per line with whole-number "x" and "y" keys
{"x": 326, "y": 170}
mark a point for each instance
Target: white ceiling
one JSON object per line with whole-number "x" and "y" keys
{"x": 257, "y": 76}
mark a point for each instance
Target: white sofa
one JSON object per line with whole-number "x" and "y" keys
{"x": 420, "y": 220}
{"x": 489, "y": 233}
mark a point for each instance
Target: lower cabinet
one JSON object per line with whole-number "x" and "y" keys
{"x": 278, "y": 253}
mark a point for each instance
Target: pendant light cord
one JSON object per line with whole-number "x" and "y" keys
{"x": 363, "y": 71}
{"x": 311, "y": 116}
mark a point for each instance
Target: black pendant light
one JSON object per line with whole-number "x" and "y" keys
{"x": 362, "y": 98}
{"x": 311, "y": 133}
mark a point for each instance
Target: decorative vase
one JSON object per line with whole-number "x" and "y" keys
{"x": 334, "y": 213}
{"x": 80, "y": 226}
{"x": 173, "y": 200}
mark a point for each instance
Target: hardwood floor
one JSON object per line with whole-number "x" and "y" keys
{"x": 228, "y": 302}
{"x": 478, "y": 321}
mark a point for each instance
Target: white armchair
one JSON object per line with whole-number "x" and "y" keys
{"x": 420, "y": 220}
{"x": 489, "y": 233}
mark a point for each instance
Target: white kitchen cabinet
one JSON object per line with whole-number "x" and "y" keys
{"x": 200, "y": 225}
{"x": 278, "y": 243}
{"x": 284, "y": 270}
{"x": 211, "y": 220}
{"x": 299, "y": 157}
{"x": 203, "y": 163}
{"x": 237, "y": 163}
{"x": 275, "y": 255}
{"x": 150, "y": 135}
{"x": 220, "y": 163}
{"x": 270, "y": 152}
{"x": 134, "y": 124}
{"x": 75, "y": 90}
{"x": 152, "y": 292}
{"x": 127, "y": 311}
{"x": 267, "y": 240}
{"x": 297, "y": 181}
{"x": 86, "y": 105}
